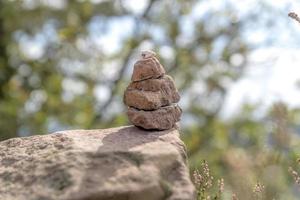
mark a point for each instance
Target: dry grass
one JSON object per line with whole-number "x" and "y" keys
{"x": 294, "y": 16}
{"x": 295, "y": 174}
{"x": 234, "y": 197}
{"x": 204, "y": 183}
{"x": 258, "y": 190}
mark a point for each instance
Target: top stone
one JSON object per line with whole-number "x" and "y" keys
{"x": 148, "y": 54}
{"x": 147, "y": 67}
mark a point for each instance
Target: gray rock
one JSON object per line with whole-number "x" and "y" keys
{"x": 161, "y": 119}
{"x": 147, "y": 68}
{"x": 151, "y": 94}
{"x": 165, "y": 83}
{"x": 124, "y": 163}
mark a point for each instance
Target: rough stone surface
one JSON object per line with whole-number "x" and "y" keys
{"x": 165, "y": 83}
{"x": 124, "y": 163}
{"x": 147, "y": 68}
{"x": 161, "y": 119}
{"x": 151, "y": 94}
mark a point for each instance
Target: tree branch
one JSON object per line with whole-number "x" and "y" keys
{"x": 117, "y": 81}
{"x": 6, "y": 72}
{"x": 294, "y": 16}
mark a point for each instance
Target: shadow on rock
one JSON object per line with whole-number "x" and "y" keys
{"x": 129, "y": 137}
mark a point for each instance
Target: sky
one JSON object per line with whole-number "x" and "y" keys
{"x": 273, "y": 70}
{"x": 274, "y": 67}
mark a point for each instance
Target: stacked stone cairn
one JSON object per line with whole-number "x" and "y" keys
{"x": 152, "y": 97}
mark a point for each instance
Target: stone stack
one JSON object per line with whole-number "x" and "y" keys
{"x": 151, "y": 96}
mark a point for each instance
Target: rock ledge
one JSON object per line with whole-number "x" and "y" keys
{"x": 124, "y": 163}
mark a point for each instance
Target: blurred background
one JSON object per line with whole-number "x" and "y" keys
{"x": 65, "y": 65}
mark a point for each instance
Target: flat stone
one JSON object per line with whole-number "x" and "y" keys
{"x": 161, "y": 119}
{"x": 124, "y": 163}
{"x": 165, "y": 83}
{"x": 151, "y": 94}
{"x": 147, "y": 68}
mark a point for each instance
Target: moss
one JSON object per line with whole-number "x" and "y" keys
{"x": 58, "y": 179}
{"x": 136, "y": 158}
{"x": 166, "y": 188}
{"x": 8, "y": 161}
{"x": 11, "y": 177}
{"x": 133, "y": 157}
{"x": 43, "y": 198}
{"x": 6, "y": 176}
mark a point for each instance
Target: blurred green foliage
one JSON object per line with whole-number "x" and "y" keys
{"x": 73, "y": 81}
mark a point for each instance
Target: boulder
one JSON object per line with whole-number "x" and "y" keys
{"x": 161, "y": 119}
{"x": 124, "y": 163}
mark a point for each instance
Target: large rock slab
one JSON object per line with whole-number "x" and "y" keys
{"x": 161, "y": 119}
{"x": 151, "y": 94}
{"x": 124, "y": 163}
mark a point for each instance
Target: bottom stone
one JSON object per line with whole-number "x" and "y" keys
{"x": 161, "y": 119}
